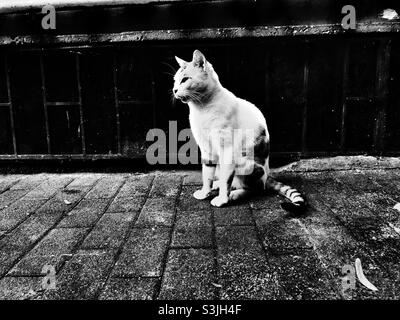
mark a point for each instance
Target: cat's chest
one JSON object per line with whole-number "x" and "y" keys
{"x": 202, "y": 122}
{"x": 198, "y": 125}
{"x": 205, "y": 127}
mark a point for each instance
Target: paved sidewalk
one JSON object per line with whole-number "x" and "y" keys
{"x": 143, "y": 236}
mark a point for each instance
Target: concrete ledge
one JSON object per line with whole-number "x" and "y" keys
{"x": 341, "y": 163}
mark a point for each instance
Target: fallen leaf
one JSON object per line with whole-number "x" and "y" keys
{"x": 216, "y": 285}
{"x": 362, "y": 278}
{"x": 397, "y": 207}
{"x": 67, "y": 202}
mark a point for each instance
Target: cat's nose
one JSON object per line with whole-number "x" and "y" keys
{"x": 175, "y": 91}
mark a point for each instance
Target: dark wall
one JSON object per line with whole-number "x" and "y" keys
{"x": 320, "y": 95}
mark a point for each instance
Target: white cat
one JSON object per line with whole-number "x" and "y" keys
{"x": 216, "y": 117}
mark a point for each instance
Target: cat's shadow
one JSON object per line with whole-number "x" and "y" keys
{"x": 242, "y": 202}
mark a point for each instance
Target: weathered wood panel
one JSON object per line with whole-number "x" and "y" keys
{"x": 393, "y": 112}
{"x": 324, "y": 109}
{"x": 99, "y": 102}
{"x": 64, "y": 127}
{"x": 6, "y": 146}
{"x": 320, "y": 95}
{"x": 27, "y": 100}
{"x": 134, "y": 97}
{"x": 60, "y": 76}
{"x": 286, "y": 96}
{"x": 3, "y": 81}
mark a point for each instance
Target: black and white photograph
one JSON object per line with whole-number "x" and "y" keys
{"x": 206, "y": 155}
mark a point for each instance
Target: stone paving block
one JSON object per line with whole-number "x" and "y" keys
{"x": 193, "y": 178}
{"x": 16, "y": 243}
{"x": 188, "y": 203}
{"x": 110, "y": 231}
{"x": 136, "y": 186}
{"x": 7, "y": 181}
{"x": 280, "y": 233}
{"x": 350, "y": 216}
{"x": 54, "y": 249}
{"x": 8, "y": 257}
{"x": 82, "y": 182}
{"x": 264, "y": 201}
{"x": 85, "y": 214}
{"x": 69, "y": 196}
{"x": 106, "y": 187}
{"x": 389, "y": 180}
{"x": 20, "y": 288}
{"x": 29, "y": 182}
{"x": 127, "y": 204}
{"x": 285, "y": 237}
{"x": 166, "y": 186}
{"x": 49, "y": 187}
{"x": 82, "y": 277}
{"x": 336, "y": 247}
{"x": 192, "y": 229}
{"x": 28, "y": 232}
{"x": 18, "y": 212}
{"x": 55, "y": 207}
{"x": 355, "y": 180}
{"x": 340, "y": 198}
{"x": 143, "y": 253}
{"x": 233, "y": 215}
{"x": 383, "y": 240}
{"x": 244, "y": 272}
{"x": 129, "y": 289}
{"x": 376, "y": 221}
{"x": 157, "y": 211}
{"x": 10, "y": 196}
{"x": 379, "y": 204}
{"x": 303, "y": 277}
{"x": 366, "y": 226}
{"x": 189, "y": 274}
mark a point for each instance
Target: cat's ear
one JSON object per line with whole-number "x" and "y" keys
{"x": 199, "y": 59}
{"x": 181, "y": 62}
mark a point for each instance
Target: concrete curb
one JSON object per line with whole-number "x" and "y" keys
{"x": 341, "y": 163}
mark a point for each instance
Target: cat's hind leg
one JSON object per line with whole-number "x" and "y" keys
{"x": 236, "y": 184}
{"x": 215, "y": 185}
{"x": 239, "y": 194}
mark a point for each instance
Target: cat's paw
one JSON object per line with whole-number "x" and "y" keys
{"x": 219, "y": 201}
{"x": 202, "y": 194}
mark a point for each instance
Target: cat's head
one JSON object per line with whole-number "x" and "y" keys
{"x": 194, "y": 80}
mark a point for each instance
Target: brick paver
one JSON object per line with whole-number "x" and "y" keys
{"x": 143, "y": 236}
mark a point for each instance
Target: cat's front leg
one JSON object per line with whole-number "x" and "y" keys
{"x": 208, "y": 171}
{"x": 227, "y": 172}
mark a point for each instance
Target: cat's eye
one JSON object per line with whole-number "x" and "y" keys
{"x": 184, "y": 79}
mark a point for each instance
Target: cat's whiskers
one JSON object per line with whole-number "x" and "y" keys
{"x": 173, "y": 99}
{"x": 196, "y": 97}
{"x": 171, "y": 67}
{"x": 169, "y": 73}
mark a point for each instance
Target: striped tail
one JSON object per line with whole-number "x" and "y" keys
{"x": 297, "y": 202}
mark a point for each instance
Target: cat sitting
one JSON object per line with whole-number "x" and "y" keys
{"x": 232, "y": 135}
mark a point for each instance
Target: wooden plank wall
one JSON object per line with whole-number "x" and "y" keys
{"x": 320, "y": 95}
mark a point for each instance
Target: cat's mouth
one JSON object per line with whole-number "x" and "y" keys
{"x": 183, "y": 99}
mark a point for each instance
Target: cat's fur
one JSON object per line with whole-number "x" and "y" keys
{"x": 216, "y": 114}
